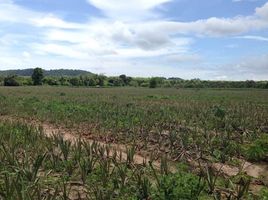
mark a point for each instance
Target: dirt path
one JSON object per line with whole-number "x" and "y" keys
{"x": 49, "y": 131}
{"x": 257, "y": 171}
{"x": 70, "y": 135}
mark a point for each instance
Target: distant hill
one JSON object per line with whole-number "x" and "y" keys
{"x": 175, "y": 79}
{"x": 54, "y": 72}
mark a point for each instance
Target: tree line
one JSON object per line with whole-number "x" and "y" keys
{"x": 99, "y": 80}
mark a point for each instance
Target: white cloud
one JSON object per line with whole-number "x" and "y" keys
{"x": 5, "y": 1}
{"x": 128, "y": 9}
{"x": 263, "y": 11}
{"x": 253, "y": 37}
{"x": 244, "y": 68}
{"x": 119, "y": 29}
{"x": 129, "y": 38}
{"x": 212, "y": 26}
{"x": 26, "y": 54}
{"x": 180, "y": 58}
{"x": 13, "y": 13}
{"x": 232, "y": 46}
{"x": 118, "y": 39}
{"x": 60, "y": 50}
{"x": 53, "y": 21}
{"x": 126, "y": 5}
{"x": 221, "y": 77}
{"x": 236, "y": 1}
{"x": 253, "y": 64}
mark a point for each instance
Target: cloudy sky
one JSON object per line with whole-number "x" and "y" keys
{"x": 206, "y": 39}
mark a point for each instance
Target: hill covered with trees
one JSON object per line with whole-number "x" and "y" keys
{"x": 54, "y": 73}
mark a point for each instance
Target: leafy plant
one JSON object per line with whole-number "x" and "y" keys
{"x": 258, "y": 150}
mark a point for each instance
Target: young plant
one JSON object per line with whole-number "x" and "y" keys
{"x": 86, "y": 166}
{"x": 211, "y": 177}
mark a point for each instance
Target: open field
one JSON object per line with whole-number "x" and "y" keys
{"x": 196, "y": 143}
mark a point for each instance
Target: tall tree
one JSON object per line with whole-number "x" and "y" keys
{"x": 153, "y": 83}
{"x": 37, "y": 76}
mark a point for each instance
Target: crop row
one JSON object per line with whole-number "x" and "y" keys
{"x": 36, "y": 167}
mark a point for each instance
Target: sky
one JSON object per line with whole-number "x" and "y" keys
{"x": 206, "y": 39}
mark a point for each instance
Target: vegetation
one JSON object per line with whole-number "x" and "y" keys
{"x": 86, "y": 79}
{"x": 52, "y": 73}
{"x": 37, "y": 76}
{"x": 35, "y": 167}
{"x": 11, "y": 81}
{"x": 258, "y": 150}
{"x": 197, "y": 127}
{"x": 153, "y": 83}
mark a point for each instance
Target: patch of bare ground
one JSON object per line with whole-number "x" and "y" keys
{"x": 255, "y": 170}
{"x": 258, "y": 171}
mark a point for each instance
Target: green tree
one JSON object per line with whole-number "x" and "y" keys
{"x": 125, "y": 79}
{"x": 101, "y": 80}
{"x": 75, "y": 81}
{"x": 153, "y": 83}
{"x": 37, "y": 76}
{"x": 11, "y": 81}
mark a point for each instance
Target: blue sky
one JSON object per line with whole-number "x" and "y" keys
{"x": 207, "y": 39}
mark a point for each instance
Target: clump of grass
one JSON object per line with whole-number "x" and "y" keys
{"x": 264, "y": 194}
{"x": 258, "y": 150}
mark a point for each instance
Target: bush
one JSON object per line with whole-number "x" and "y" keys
{"x": 11, "y": 81}
{"x": 75, "y": 81}
{"x": 258, "y": 150}
{"x": 180, "y": 186}
{"x": 219, "y": 112}
{"x": 37, "y": 76}
{"x": 145, "y": 84}
{"x": 51, "y": 81}
{"x": 153, "y": 83}
{"x": 264, "y": 194}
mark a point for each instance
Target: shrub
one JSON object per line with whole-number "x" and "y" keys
{"x": 264, "y": 194}
{"x": 258, "y": 150}
{"x": 219, "y": 112}
{"x": 153, "y": 83}
{"x": 75, "y": 81}
{"x": 178, "y": 186}
{"x": 37, "y": 76}
{"x": 145, "y": 84}
{"x": 11, "y": 81}
{"x": 51, "y": 81}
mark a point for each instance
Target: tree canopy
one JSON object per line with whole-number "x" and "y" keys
{"x": 37, "y": 76}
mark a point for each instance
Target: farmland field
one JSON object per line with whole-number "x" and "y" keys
{"x": 196, "y": 143}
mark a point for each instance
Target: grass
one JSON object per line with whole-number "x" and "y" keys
{"x": 178, "y": 125}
